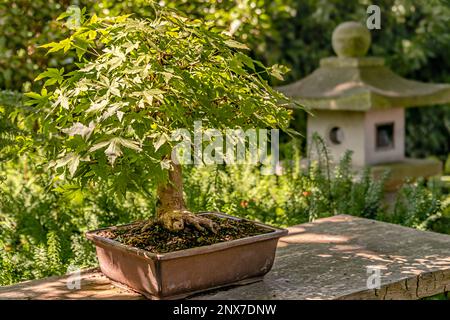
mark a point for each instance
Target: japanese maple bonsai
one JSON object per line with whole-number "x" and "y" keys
{"x": 109, "y": 120}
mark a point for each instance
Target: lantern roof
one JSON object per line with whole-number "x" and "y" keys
{"x": 354, "y": 82}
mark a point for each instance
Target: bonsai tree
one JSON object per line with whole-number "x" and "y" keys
{"x": 138, "y": 80}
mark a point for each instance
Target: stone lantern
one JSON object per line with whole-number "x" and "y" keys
{"x": 359, "y": 104}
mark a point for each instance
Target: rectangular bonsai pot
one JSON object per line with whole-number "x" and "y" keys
{"x": 182, "y": 273}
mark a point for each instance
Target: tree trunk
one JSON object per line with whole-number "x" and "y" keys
{"x": 170, "y": 203}
{"x": 171, "y": 208}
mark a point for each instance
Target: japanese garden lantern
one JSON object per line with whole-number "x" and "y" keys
{"x": 359, "y": 104}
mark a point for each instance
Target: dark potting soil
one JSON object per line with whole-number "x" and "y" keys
{"x": 157, "y": 239}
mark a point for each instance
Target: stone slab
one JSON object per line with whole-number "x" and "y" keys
{"x": 329, "y": 259}
{"x": 326, "y": 259}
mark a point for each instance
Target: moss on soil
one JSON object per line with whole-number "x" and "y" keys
{"x": 155, "y": 238}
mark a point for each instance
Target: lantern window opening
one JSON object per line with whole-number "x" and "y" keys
{"x": 384, "y": 136}
{"x": 336, "y": 135}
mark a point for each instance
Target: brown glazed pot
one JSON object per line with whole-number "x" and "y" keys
{"x": 182, "y": 273}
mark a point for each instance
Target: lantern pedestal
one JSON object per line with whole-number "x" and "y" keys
{"x": 407, "y": 169}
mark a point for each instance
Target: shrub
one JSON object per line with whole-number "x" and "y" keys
{"x": 42, "y": 232}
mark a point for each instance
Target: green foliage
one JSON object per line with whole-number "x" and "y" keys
{"x": 42, "y": 232}
{"x": 11, "y": 124}
{"x": 414, "y": 38}
{"x": 110, "y": 120}
{"x": 428, "y": 131}
{"x": 25, "y": 25}
{"x": 447, "y": 165}
{"x": 423, "y": 206}
{"x": 441, "y": 296}
{"x": 297, "y": 196}
{"x": 22, "y": 59}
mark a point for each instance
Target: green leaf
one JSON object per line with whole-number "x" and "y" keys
{"x": 80, "y": 129}
{"x": 72, "y": 160}
{"x": 236, "y": 66}
{"x": 64, "y": 15}
{"x": 160, "y": 141}
{"x": 277, "y": 71}
{"x": 94, "y": 19}
{"x": 235, "y": 44}
{"x": 246, "y": 60}
{"x": 98, "y": 146}
{"x": 130, "y": 144}
{"x": 33, "y": 95}
{"x": 142, "y": 79}
{"x": 113, "y": 151}
{"x": 53, "y": 74}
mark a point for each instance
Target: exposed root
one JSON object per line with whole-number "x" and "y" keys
{"x": 177, "y": 220}
{"x": 171, "y": 208}
{"x": 152, "y": 236}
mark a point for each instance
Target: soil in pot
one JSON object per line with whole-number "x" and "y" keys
{"x": 157, "y": 239}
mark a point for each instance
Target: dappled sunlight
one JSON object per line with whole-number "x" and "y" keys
{"x": 372, "y": 256}
{"x": 340, "y": 88}
{"x": 419, "y": 265}
{"x": 338, "y": 253}
{"x": 314, "y": 238}
{"x": 296, "y": 229}
{"x": 282, "y": 244}
{"x": 346, "y": 248}
{"x": 93, "y": 285}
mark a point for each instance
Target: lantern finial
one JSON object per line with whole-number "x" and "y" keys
{"x": 351, "y": 39}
